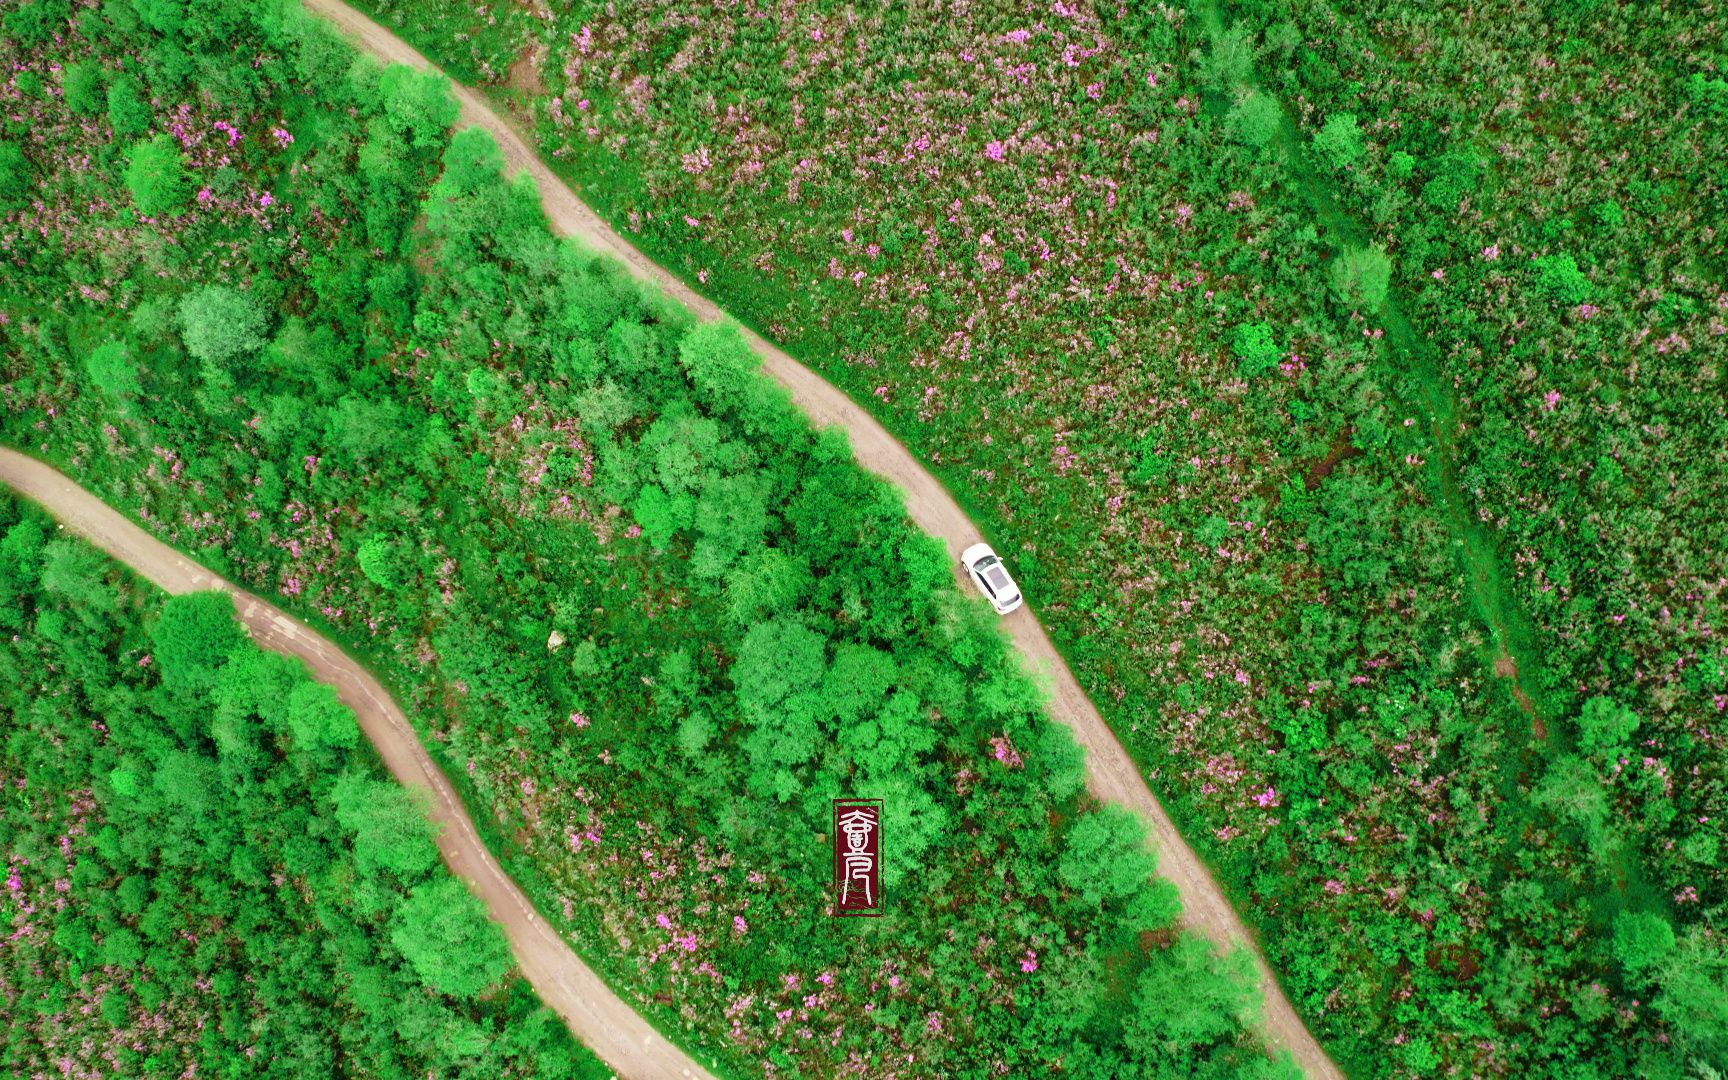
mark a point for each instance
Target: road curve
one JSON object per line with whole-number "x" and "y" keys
{"x": 597, "y": 1016}
{"x": 1111, "y": 773}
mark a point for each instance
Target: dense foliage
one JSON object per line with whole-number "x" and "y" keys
{"x": 649, "y": 618}
{"x": 1349, "y": 379}
{"x": 206, "y": 869}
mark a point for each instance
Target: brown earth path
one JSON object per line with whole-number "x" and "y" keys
{"x": 597, "y": 1016}
{"x": 1111, "y": 774}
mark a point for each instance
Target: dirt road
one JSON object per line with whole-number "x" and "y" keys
{"x": 1112, "y": 774}
{"x": 597, "y": 1016}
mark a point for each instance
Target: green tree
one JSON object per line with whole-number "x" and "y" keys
{"x": 1338, "y": 145}
{"x": 362, "y": 427}
{"x": 193, "y": 637}
{"x": 777, "y": 660}
{"x": 156, "y": 177}
{"x": 391, "y": 827}
{"x": 445, "y": 934}
{"x": 418, "y": 104}
{"x": 1642, "y": 940}
{"x": 1254, "y": 119}
{"x": 1361, "y": 278}
{"x": 1230, "y": 62}
{"x": 121, "y": 948}
{"x": 1572, "y": 791}
{"x": 189, "y": 781}
{"x": 1105, "y": 857}
{"x": 1062, "y": 760}
{"x": 720, "y": 364}
{"x": 317, "y": 718}
{"x": 1694, "y": 996}
{"x": 163, "y": 16}
{"x": 766, "y": 582}
{"x": 220, "y": 324}
{"x": 1189, "y": 999}
{"x": 35, "y": 24}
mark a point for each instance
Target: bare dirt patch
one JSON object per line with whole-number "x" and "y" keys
{"x": 1507, "y": 668}
{"x": 1341, "y": 450}
{"x": 524, "y": 74}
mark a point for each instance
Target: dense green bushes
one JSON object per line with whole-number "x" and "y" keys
{"x": 188, "y": 880}
{"x": 649, "y": 618}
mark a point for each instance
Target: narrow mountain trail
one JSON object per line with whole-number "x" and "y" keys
{"x": 598, "y": 1017}
{"x": 1405, "y": 351}
{"x": 1111, "y": 773}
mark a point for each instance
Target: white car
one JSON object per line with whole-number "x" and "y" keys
{"x": 991, "y": 577}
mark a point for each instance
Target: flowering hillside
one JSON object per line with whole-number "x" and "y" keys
{"x": 1345, "y": 383}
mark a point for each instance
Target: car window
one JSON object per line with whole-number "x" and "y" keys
{"x": 983, "y": 578}
{"x": 998, "y": 579}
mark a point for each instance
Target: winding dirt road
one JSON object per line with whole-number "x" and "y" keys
{"x": 597, "y": 1016}
{"x": 1111, "y": 773}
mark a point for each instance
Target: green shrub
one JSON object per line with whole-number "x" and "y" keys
{"x": 1559, "y": 279}
{"x": 156, "y": 177}
{"x": 1608, "y": 214}
{"x": 15, "y": 174}
{"x": 1453, "y": 177}
{"x": 82, "y": 85}
{"x": 128, "y": 106}
{"x": 1256, "y": 351}
{"x": 1708, "y": 95}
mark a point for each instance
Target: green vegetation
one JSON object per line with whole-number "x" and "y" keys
{"x": 187, "y": 879}
{"x": 1347, "y": 376}
{"x": 648, "y": 618}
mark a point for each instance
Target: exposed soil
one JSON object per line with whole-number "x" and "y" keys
{"x": 1507, "y": 668}
{"x": 524, "y": 73}
{"x": 1342, "y": 450}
